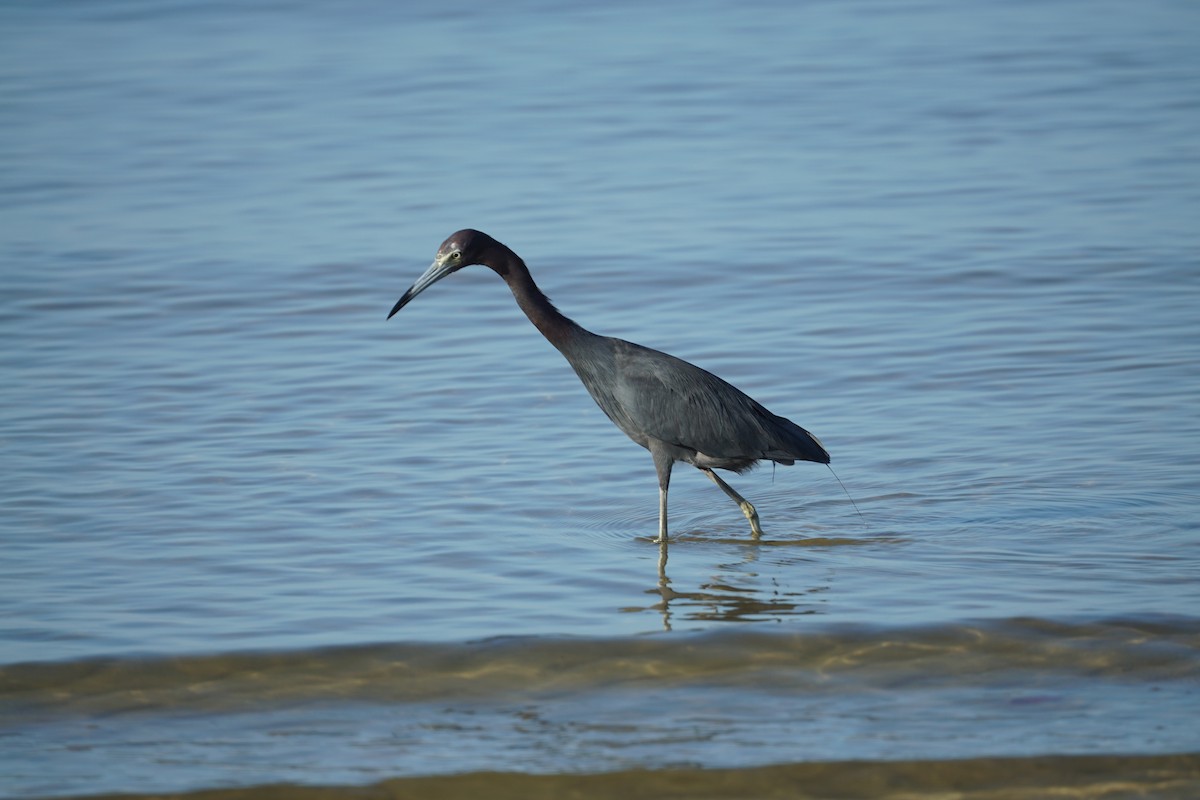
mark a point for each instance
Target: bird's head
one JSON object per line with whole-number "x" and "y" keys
{"x": 462, "y": 249}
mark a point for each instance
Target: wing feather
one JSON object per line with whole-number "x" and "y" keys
{"x": 679, "y": 403}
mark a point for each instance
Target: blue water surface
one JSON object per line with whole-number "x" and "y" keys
{"x": 957, "y": 241}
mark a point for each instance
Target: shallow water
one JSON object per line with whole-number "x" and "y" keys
{"x": 240, "y": 509}
{"x": 721, "y": 700}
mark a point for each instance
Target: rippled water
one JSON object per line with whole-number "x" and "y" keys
{"x": 723, "y": 700}
{"x": 955, "y": 241}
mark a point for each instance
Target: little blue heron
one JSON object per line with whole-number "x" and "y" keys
{"x": 674, "y": 409}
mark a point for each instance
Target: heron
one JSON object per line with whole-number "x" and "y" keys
{"x": 674, "y": 409}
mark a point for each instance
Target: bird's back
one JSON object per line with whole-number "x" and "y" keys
{"x": 653, "y": 395}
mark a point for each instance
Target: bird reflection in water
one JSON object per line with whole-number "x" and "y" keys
{"x": 721, "y": 601}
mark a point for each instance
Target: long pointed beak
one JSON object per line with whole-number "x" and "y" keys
{"x": 437, "y": 270}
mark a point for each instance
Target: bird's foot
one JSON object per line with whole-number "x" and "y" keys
{"x": 752, "y": 515}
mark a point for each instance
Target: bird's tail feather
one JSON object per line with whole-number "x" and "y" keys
{"x": 800, "y": 444}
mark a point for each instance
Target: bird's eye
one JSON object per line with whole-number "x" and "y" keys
{"x": 455, "y": 256}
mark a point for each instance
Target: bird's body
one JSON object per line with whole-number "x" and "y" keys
{"x": 676, "y": 410}
{"x": 663, "y": 402}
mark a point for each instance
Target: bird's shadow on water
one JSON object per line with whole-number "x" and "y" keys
{"x": 764, "y": 541}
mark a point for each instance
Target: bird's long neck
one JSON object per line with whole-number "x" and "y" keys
{"x": 559, "y": 329}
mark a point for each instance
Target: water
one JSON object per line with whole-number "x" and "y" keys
{"x": 254, "y": 533}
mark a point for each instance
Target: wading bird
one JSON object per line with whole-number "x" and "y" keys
{"x": 674, "y": 409}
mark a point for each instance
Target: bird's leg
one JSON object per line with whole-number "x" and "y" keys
{"x": 743, "y": 503}
{"x": 662, "y": 465}
{"x": 662, "y": 515}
